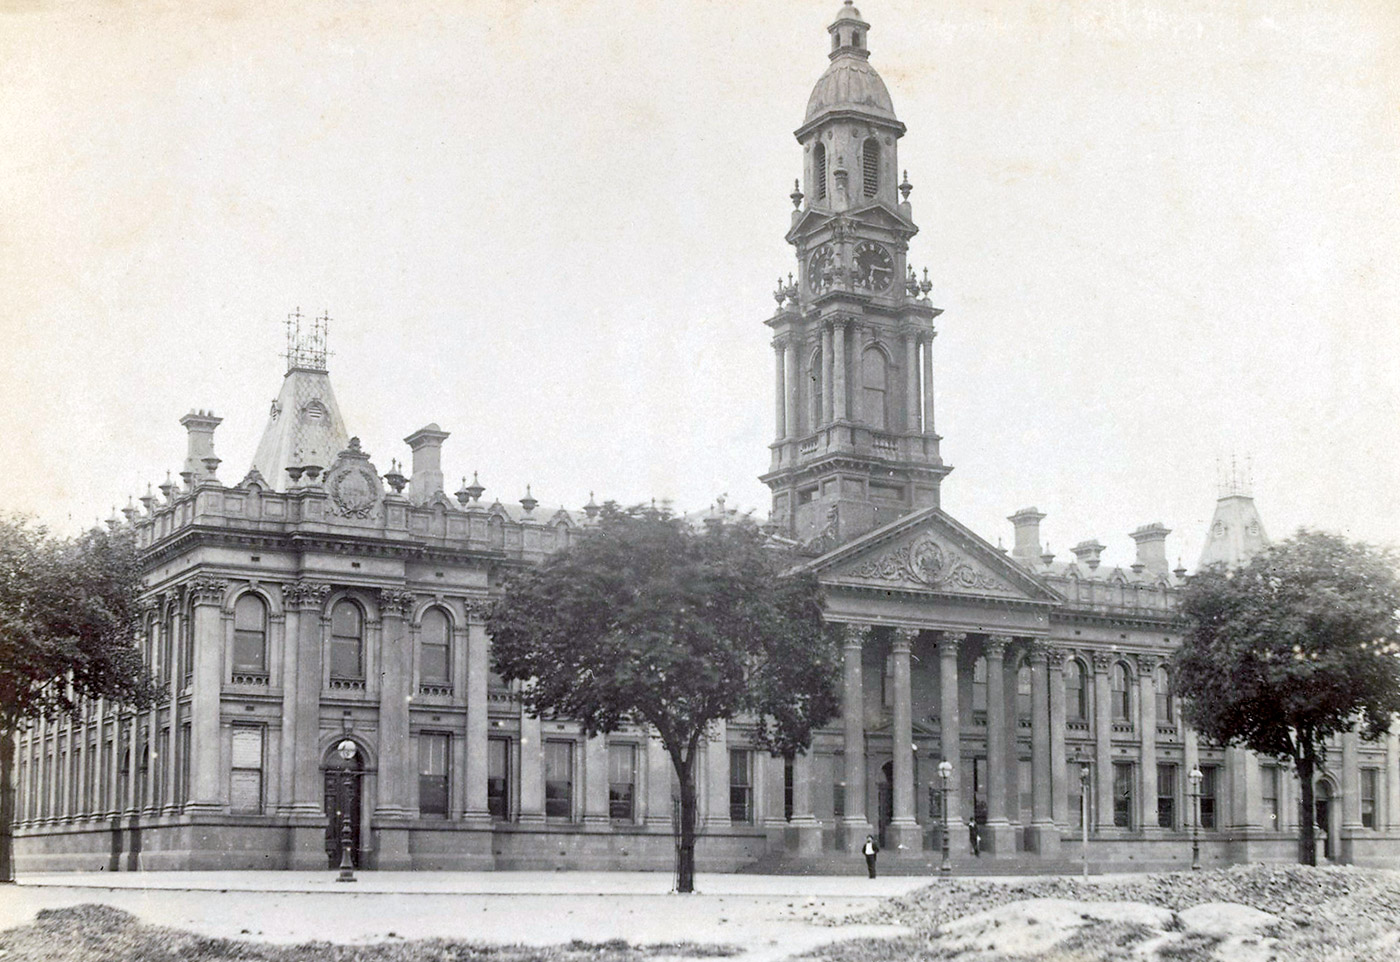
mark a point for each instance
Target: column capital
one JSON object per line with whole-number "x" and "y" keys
{"x": 208, "y": 591}
{"x": 1038, "y": 656}
{"x": 1103, "y": 661}
{"x": 1054, "y": 657}
{"x": 849, "y": 636}
{"x": 996, "y": 645}
{"x": 395, "y": 602}
{"x": 950, "y": 641}
{"x": 1147, "y": 664}
{"x": 305, "y": 595}
{"x": 476, "y": 609}
{"x": 904, "y": 638}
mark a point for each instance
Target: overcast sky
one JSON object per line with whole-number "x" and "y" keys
{"x": 1162, "y": 233}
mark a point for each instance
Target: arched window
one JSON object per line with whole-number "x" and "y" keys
{"x": 249, "y": 635}
{"x": 814, "y": 374}
{"x": 1166, "y": 710}
{"x": 1076, "y": 705}
{"x": 1122, "y": 700}
{"x": 1023, "y": 690}
{"x": 434, "y": 659}
{"x": 979, "y": 684}
{"x": 873, "y": 377}
{"x": 870, "y": 166}
{"x": 347, "y": 641}
{"x": 819, "y": 170}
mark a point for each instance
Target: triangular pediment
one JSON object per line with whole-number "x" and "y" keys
{"x": 929, "y": 552}
{"x": 873, "y": 214}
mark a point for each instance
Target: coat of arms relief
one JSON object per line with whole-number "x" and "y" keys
{"x": 927, "y": 562}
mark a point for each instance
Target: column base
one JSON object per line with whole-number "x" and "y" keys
{"x": 999, "y": 838}
{"x": 1044, "y": 840}
{"x": 851, "y": 836}
{"x": 809, "y": 835}
{"x": 904, "y": 838}
{"x": 308, "y": 850}
{"x": 392, "y": 849}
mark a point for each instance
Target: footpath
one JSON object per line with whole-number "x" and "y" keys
{"x": 771, "y": 917}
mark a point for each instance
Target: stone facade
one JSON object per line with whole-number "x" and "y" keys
{"x": 320, "y": 600}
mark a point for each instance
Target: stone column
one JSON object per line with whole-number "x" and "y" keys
{"x": 595, "y": 784}
{"x": 911, "y": 382}
{"x": 804, "y": 819}
{"x": 780, "y": 392}
{"x": 1147, "y": 734}
{"x": 838, "y": 381}
{"x": 659, "y": 771}
{"x": 903, "y": 834}
{"x": 950, "y": 734}
{"x": 827, "y": 374}
{"x": 206, "y": 766}
{"x": 397, "y": 758}
{"x": 303, "y": 688}
{"x": 1059, "y": 755}
{"x": 172, "y": 752}
{"x": 999, "y": 838}
{"x": 1351, "y": 796}
{"x": 717, "y": 779}
{"x": 857, "y": 374}
{"x": 1043, "y": 838}
{"x": 792, "y": 380}
{"x": 774, "y": 817}
{"x": 531, "y": 770}
{"x": 1392, "y": 778}
{"x": 478, "y": 700}
{"x": 854, "y": 825}
{"x": 928, "y": 384}
{"x": 1103, "y": 741}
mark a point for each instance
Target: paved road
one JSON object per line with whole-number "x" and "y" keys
{"x": 771, "y": 916}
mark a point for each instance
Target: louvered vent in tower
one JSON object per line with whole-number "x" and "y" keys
{"x": 819, "y": 170}
{"x": 870, "y": 166}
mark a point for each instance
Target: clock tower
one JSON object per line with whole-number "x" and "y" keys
{"x": 853, "y": 336}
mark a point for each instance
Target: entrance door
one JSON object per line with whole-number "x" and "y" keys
{"x": 885, "y": 799}
{"x": 1322, "y": 800}
{"x": 342, "y": 799}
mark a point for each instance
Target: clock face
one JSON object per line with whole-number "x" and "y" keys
{"x": 874, "y": 268}
{"x": 821, "y": 269}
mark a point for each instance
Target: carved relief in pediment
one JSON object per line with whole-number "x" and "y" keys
{"x": 929, "y": 563}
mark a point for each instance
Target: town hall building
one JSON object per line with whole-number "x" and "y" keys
{"x": 316, "y": 629}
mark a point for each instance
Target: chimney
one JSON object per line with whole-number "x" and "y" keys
{"x": 1152, "y": 547}
{"x": 200, "y": 426}
{"x": 1087, "y": 552}
{"x": 1027, "y": 525}
{"x": 426, "y": 444}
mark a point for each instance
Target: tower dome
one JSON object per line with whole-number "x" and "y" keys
{"x": 850, "y": 83}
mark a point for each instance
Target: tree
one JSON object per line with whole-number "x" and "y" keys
{"x": 1298, "y": 645}
{"x": 646, "y": 619}
{"x": 68, "y": 621}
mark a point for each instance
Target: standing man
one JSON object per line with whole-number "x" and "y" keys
{"x": 871, "y": 850}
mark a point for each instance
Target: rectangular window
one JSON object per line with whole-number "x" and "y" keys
{"x": 622, "y": 782}
{"x": 167, "y": 653}
{"x": 559, "y": 779}
{"x": 345, "y": 659}
{"x": 740, "y": 786}
{"x": 186, "y": 651}
{"x": 787, "y": 789}
{"x": 104, "y": 790}
{"x": 433, "y": 670}
{"x": 1025, "y": 778}
{"x": 1268, "y": 790}
{"x": 1369, "y": 779}
{"x": 26, "y": 792}
{"x": 1209, "y": 779}
{"x": 432, "y": 774}
{"x": 498, "y": 778}
{"x": 182, "y": 782}
{"x": 1122, "y": 795}
{"x": 1166, "y": 795}
{"x": 90, "y": 779}
{"x": 245, "y": 779}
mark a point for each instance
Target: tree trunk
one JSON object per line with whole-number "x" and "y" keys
{"x": 685, "y": 855}
{"x": 7, "y": 805}
{"x": 1307, "y": 815}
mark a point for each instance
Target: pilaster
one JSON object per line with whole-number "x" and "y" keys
{"x": 855, "y": 826}
{"x": 595, "y": 784}
{"x": 478, "y": 725}
{"x": 1043, "y": 837}
{"x": 301, "y": 697}
{"x": 206, "y": 770}
{"x": 950, "y": 731}
{"x": 396, "y": 748}
{"x": 1147, "y": 735}
{"x": 531, "y": 770}
{"x": 1103, "y": 741}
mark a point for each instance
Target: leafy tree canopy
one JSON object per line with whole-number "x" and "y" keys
{"x": 647, "y": 618}
{"x": 69, "y": 611}
{"x": 1302, "y": 641}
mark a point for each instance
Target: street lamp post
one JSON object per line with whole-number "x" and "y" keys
{"x": 945, "y": 772}
{"x": 1083, "y": 764}
{"x": 346, "y": 749}
{"x": 1196, "y": 777}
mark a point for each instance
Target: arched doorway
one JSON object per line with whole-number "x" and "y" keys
{"x": 344, "y": 787}
{"x": 1322, "y": 802}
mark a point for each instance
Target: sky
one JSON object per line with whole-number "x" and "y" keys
{"x": 1163, "y": 234}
